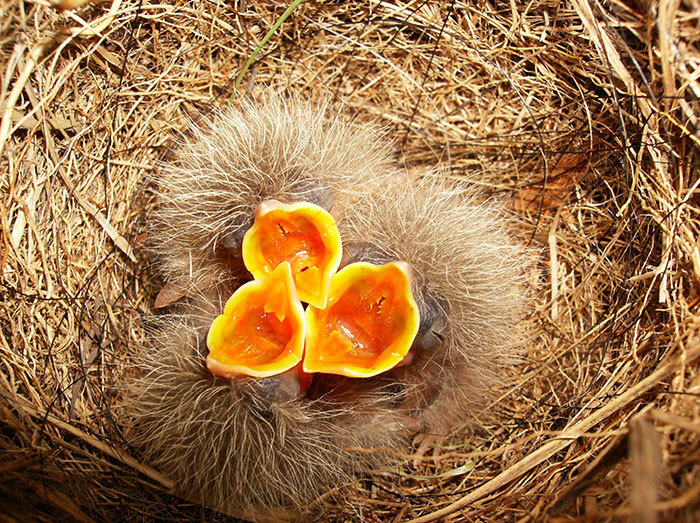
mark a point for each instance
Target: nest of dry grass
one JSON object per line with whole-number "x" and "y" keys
{"x": 582, "y": 116}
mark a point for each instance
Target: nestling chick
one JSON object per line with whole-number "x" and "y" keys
{"x": 285, "y": 150}
{"x": 251, "y": 447}
{"x": 255, "y": 447}
{"x": 466, "y": 277}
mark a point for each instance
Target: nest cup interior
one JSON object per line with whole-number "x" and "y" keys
{"x": 581, "y": 117}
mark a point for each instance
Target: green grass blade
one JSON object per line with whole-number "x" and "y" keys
{"x": 262, "y": 43}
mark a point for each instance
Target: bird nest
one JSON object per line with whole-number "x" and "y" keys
{"x": 582, "y": 117}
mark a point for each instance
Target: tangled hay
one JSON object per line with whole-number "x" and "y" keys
{"x": 582, "y": 116}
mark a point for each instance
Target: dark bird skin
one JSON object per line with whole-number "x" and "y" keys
{"x": 259, "y": 448}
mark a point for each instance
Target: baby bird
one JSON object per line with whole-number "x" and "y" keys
{"x": 467, "y": 282}
{"x": 264, "y": 447}
{"x": 285, "y": 150}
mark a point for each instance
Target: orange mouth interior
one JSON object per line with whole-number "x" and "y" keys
{"x": 360, "y": 321}
{"x": 368, "y": 325}
{"x": 302, "y": 234}
{"x": 261, "y": 332}
{"x": 258, "y": 338}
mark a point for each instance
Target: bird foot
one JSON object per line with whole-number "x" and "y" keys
{"x": 425, "y": 441}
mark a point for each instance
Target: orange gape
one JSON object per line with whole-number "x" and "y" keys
{"x": 304, "y": 235}
{"x": 368, "y": 325}
{"x": 359, "y": 322}
{"x": 261, "y": 332}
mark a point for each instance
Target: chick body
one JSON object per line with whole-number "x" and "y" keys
{"x": 249, "y": 446}
{"x": 467, "y": 281}
{"x": 285, "y": 150}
